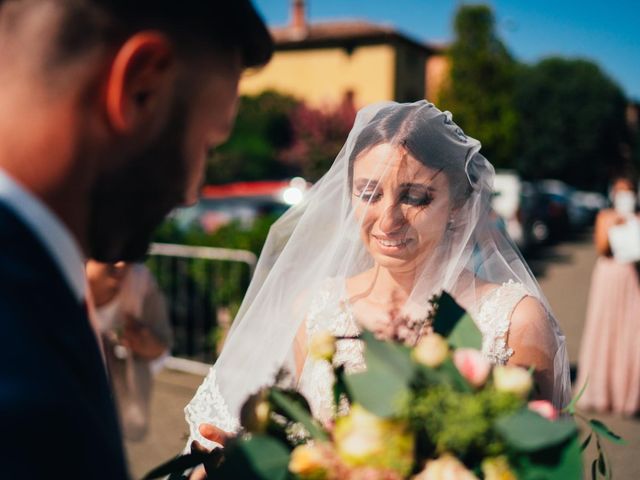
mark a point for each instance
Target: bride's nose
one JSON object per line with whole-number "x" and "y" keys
{"x": 392, "y": 218}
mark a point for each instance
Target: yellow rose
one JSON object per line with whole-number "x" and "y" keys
{"x": 309, "y": 462}
{"x": 444, "y": 468}
{"x": 512, "y": 379}
{"x": 497, "y": 468}
{"x": 431, "y": 350}
{"x": 322, "y": 346}
{"x": 363, "y": 439}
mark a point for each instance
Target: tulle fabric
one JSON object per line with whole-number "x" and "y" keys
{"x": 321, "y": 238}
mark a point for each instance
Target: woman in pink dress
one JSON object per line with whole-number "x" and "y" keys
{"x": 610, "y": 352}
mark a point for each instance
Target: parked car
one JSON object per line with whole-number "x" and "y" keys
{"x": 242, "y": 202}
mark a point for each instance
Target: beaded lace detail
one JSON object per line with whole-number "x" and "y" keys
{"x": 330, "y": 312}
{"x": 493, "y": 318}
{"x": 208, "y": 406}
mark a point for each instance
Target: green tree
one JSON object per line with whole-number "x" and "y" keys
{"x": 481, "y": 86}
{"x": 572, "y": 122}
{"x": 262, "y": 129}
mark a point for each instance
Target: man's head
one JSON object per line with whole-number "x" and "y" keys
{"x": 137, "y": 92}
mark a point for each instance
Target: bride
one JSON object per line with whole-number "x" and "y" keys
{"x": 403, "y": 213}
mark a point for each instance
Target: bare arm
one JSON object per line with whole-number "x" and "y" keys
{"x": 534, "y": 344}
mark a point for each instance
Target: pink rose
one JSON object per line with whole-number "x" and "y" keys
{"x": 544, "y": 408}
{"x": 472, "y": 365}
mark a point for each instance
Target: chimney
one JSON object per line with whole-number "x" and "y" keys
{"x": 298, "y": 18}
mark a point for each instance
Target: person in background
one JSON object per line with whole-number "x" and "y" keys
{"x": 610, "y": 352}
{"x": 132, "y": 320}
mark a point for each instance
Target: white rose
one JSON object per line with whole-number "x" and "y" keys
{"x": 447, "y": 467}
{"x": 512, "y": 379}
{"x": 431, "y": 350}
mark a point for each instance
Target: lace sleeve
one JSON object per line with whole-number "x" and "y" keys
{"x": 209, "y": 406}
{"x": 494, "y": 320}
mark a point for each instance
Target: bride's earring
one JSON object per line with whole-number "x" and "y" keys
{"x": 450, "y": 223}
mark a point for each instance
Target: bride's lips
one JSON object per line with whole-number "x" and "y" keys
{"x": 390, "y": 244}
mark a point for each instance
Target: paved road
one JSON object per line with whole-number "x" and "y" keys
{"x": 564, "y": 274}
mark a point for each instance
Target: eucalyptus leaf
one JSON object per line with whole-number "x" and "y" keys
{"x": 383, "y": 395}
{"x": 527, "y": 431}
{"x": 297, "y": 410}
{"x": 256, "y": 458}
{"x": 601, "y": 429}
{"x": 560, "y": 462}
{"x": 455, "y": 324}
{"x": 385, "y": 384}
{"x": 387, "y": 357}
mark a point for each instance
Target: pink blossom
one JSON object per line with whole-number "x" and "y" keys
{"x": 472, "y": 365}
{"x": 544, "y": 408}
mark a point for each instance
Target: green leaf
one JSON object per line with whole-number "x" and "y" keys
{"x": 340, "y": 389}
{"x": 594, "y": 471}
{"x": 602, "y": 466}
{"x": 526, "y": 431}
{"x": 601, "y": 429}
{"x": 450, "y": 374}
{"x": 571, "y": 408}
{"x": 382, "y": 388}
{"x": 452, "y": 322}
{"x": 586, "y": 442}
{"x": 297, "y": 411}
{"x": 387, "y": 357}
{"x": 178, "y": 465}
{"x": 256, "y": 458}
{"x": 560, "y": 462}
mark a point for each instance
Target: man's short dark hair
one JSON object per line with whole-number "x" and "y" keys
{"x": 223, "y": 24}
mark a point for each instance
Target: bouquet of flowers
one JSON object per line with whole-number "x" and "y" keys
{"x": 437, "y": 410}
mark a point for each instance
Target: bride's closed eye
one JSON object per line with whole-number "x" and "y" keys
{"x": 416, "y": 200}
{"x": 369, "y": 196}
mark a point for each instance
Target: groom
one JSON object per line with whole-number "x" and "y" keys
{"x": 107, "y": 111}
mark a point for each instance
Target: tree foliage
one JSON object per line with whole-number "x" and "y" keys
{"x": 481, "y": 87}
{"x": 318, "y": 137}
{"x": 572, "y": 122}
{"x": 262, "y": 129}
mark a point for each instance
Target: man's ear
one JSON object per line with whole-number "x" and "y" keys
{"x": 140, "y": 82}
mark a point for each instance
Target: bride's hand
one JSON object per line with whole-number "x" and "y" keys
{"x": 213, "y": 433}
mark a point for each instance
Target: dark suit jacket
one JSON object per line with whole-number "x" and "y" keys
{"x": 57, "y": 418}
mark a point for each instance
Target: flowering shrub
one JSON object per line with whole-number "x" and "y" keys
{"x": 434, "y": 411}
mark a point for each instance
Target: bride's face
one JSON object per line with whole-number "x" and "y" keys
{"x": 402, "y": 206}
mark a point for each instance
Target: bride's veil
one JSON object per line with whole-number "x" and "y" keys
{"x": 320, "y": 239}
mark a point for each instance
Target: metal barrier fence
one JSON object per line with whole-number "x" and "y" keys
{"x": 203, "y": 287}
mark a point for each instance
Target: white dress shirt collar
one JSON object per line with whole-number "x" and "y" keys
{"x": 49, "y": 229}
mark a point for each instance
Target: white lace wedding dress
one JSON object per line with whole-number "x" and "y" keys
{"x": 330, "y": 311}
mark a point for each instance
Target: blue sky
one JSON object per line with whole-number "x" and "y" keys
{"x": 607, "y": 32}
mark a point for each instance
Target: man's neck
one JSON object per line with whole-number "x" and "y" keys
{"x": 39, "y": 153}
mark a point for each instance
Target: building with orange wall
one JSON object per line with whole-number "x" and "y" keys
{"x": 325, "y": 62}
